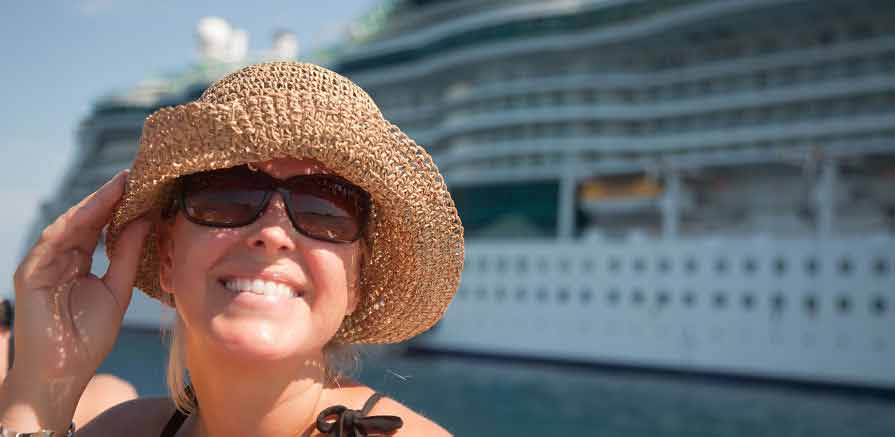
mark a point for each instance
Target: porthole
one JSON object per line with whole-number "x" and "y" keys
{"x": 664, "y": 265}
{"x": 779, "y": 266}
{"x": 662, "y": 298}
{"x": 481, "y": 293}
{"x": 614, "y": 296}
{"x": 810, "y": 305}
{"x": 748, "y": 301}
{"x": 585, "y": 296}
{"x": 843, "y": 305}
{"x": 691, "y": 266}
{"x": 689, "y": 299}
{"x": 542, "y": 265}
{"x": 637, "y": 297}
{"x": 879, "y": 306}
{"x": 541, "y": 295}
{"x": 812, "y": 266}
{"x": 521, "y": 294}
{"x": 462, "y": 293}
{"x": 750, "y": 266}
{"x": 483, "y": 264}
{"x": 521, "y": 265}
{"x": 845, "y": 266}
{"x": 565, "y": 265}
{"x": 719, "y": 299}
{"x": 880, "y": 267}
{"x": 639, "y": 265}
{"x": 721, "y": 266}
{"x": 501, "y": 265}
{"x": 778, "y": 303}
{"x": 587, "y": 265}
{"x": 563, "y": 296}
{"x": 501, "y": 294}
{"x": 614, "y": 265}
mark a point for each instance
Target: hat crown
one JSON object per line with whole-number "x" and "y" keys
{"x": 288, "y": 77}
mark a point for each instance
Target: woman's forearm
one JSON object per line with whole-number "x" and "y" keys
{"x": 29, "y": 404}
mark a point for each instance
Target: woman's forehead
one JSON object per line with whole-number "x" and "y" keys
{"x": 283, "y": 168}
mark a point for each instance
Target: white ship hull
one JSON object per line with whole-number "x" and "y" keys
{"x": 554, "y": 300}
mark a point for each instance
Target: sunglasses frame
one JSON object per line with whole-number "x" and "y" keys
{"x": 281, "y": 186}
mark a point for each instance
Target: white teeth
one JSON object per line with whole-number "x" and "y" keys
{"x": 258, "y": 286}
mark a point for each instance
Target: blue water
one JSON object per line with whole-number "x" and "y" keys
{"x": 473, "y": 397}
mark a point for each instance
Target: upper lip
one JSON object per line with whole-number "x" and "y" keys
{"x": 268, "y": 275}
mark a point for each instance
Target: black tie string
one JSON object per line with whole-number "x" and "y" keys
{"x": 354, "y": 423}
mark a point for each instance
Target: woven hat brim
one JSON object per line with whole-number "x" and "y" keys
{"x": 414, "y": 236}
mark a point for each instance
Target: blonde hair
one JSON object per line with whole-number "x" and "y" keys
{"x": 339, "y": 360}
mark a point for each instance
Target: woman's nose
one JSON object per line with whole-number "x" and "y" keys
{"x": 273, "y": 231}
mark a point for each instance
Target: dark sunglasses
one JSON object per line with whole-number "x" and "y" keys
{"x": 320, "y": 206}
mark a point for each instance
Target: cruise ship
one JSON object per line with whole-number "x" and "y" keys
{"x": 690, "y": 185}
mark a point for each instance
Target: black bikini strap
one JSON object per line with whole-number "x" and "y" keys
{"x": 354, "y": 423}
{"x": 173, "y": 424}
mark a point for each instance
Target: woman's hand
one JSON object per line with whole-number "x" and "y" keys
{"x": 67, "y": 319}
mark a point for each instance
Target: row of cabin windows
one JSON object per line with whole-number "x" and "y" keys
{"x": 743, "y": 81}
{"x": 803, "y": 111}
{"x": 779, "y": 266}
{"x": 777, "y": 303}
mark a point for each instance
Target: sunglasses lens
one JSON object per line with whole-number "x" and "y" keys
{"x": 320, "y": 206}
{"x": 224, "y": 206}
{"x": 328, "y": 209}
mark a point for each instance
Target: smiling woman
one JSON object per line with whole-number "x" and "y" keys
{"x": 283, "y": 218}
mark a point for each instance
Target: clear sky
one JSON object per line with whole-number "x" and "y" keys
{"x": 59, "y": 56}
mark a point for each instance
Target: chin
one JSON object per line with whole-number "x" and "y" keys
{"x": 263, "y": 340}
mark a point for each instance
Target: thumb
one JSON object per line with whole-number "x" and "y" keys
{"x": 122, "y": 272}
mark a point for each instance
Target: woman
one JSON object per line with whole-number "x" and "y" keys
{"x": 282, "y": 217}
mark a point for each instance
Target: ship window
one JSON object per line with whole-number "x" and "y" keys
{"x": 881, "y": 267}
{"x": 521, "y": 265}
{"x": 719, "y": 299}
{"x": 748, "y": 301}
{"x": 780, "y": 266}
{"x": 586, "y": 296}
{"x": 664, "y": 265}
{"x": 614, "y": 264}
{"x": 810, "y": 304}
{"x": 845, "y": 266}
{"x": 812, "y": 266}
{"x": 462, "y": 293}
{"x": 878, "y": 306}
{"x": 749, "y": 265}
{"x": 613, "y": 296}
{"x": 501, "y": 294}
{"x": 721, "y": 266}
{"x": 778, "y": 303}
{"x": 691, "y": 266}
{"x": 637, "y": 297}
{"x": 481, "y": 293}
{"x": 563, "y": 296}
{"x": 587, "y": 265}
{"x": 501, "y": 265}
{"x": 639, "y": 265}
{"x": 689, "y": 299}
{"x": 542, "y": 265}
{"x": 843, "y": 304}
{"x": 662, "y": 298}
{"x": 483, "y": 264}
{"x": 564, "y": 265}
{"x": 542, "y": 294}
{"x": 521, "y": 294}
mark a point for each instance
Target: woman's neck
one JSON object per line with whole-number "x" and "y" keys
{"x": 271, "y": 400}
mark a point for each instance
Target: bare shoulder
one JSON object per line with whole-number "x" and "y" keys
{"x": 136, "y": 418}
{"x": 415, "y": 424}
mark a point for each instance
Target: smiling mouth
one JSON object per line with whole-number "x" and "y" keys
{"x": 261, "y": 287}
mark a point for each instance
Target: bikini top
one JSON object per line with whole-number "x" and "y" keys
{"x": 347, "y": 423}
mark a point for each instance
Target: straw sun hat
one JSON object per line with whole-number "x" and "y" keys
{"x": 291, "y": 109}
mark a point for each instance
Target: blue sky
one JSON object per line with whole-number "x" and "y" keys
{"x": 59, "y": 56}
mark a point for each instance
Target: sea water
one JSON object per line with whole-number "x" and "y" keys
{"x": 479, "y": 397}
